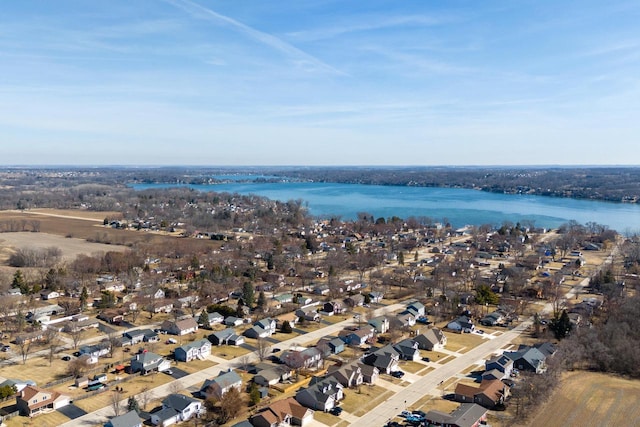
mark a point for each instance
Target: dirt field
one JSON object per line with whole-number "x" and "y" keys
{"x": 591, "y": 399}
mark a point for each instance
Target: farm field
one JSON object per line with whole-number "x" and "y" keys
{"x": 591, "y": 399}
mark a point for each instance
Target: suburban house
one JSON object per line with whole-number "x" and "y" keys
{"x": 376, "y": 296}
{"x": 114, "y": 317}
{"x": 139, "y": 335}
{"x": 80, "y": 325}
{"x": 402, "y": 320}
{"x": 33, "y": 400}
{"x": 176, "y": 408}
{"x": 355, "y": 300}
{"x": 461, "y": 324}
{"x": 385, "y": 359}
{"x": 283, "y": 413}
{"x": 199, "y": 349}
{"x": 349, "y": 375}
{"x": 488, "y": 394}
{"x": 500, "y": 363}
{"x": 49, "y": 294}
{"x": 380, "y": 324}
{"x": 358, "y": 337}
{"x": 308, "y": 313}
{"x": 321, "y": 290}
{"x": 147, "y": 361}
{"x": 180, "y": 327}
{"x": 407, "y": 349}
{"x": 96, "y": 350}
{"x": 30, "y": 337}
{"x": 272, "y": 375}
{"x": 129, "y": 419}
{"x": 330, "y": 345}
{"x": 283, "y": 298}
{"x": 416, "y": 308}
{"x": 226, "y": 337}
{"x": 323, "y": 394}
{"x": 431, "y": 339}
{"x": 465, "y": 415}
{"x": 370, "y": 373}
{"x": 160, "y": 306}
{"x": 218, "y": 386}
{"x": 233, "y": 321}
{"x": 287, "y": 317}
{"x": 332, "y": 307}
{"x": 215, "y": 318}
{"x": 529, "y": 359}
{"x": 301, "y": 357}
{"x": 261, "y": 329}
{"x": 492, "y": 319}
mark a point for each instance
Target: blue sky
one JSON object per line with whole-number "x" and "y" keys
{"x": 317, "y": 82}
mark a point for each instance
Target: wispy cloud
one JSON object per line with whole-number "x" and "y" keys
{"x": 370, "y": 24}
{"x": 298, "y": 56}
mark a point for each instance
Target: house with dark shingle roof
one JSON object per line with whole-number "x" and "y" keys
{"x": 176, "y": 408}
{"x": 226, "y": 337}
{"x": 323, "y": 394}
{"x": 385, "y": 359}
{"x": 431, "y": 339}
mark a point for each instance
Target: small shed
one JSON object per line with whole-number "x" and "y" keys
{"x": 82, "y": 382}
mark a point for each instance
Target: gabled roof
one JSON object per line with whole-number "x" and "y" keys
{"x": 224, "y": 380}
{"x": 195, "y": 344}
{"x": 129, "y": 419}
{"x": 178, "y": 401}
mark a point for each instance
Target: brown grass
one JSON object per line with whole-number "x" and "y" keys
{"x": 368, "y": 398}
{"x": 462, "y": 342}
{"x": 411, "y": 366}
{"x": 591, "y": 399}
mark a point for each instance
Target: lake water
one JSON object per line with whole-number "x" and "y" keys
{"x": 458, "y": 206}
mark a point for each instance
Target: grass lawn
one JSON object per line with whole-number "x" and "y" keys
{"x": 51, "y": 419}
{"x": 462, "y": 342}
{"x": 369, "y": 397}
{"x": 591, "y": 399}
{"x": 195, "y": 365}
{"x": 37, "y": 369}
{"x": 336, "y": 319}
{"x": 434, "y": 356}
{"x": 229, "y": 351}
{"x": 411, "y": 366}
{"x": 325, "y": 418}
{"x": 447, "y": 359}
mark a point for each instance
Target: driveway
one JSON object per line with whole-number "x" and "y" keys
{"x": 72, "y": 411}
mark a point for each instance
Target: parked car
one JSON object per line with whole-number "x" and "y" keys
{"x": 336, "y": 410}
{"x": 6, "y": 348}
{"x": 66, "y": 358}
{"x": 275, "y": 350}
{"x": 397, "y": 374}
{"x": 426, "y": 359}
{"x": 172, "y": 341}
{"x": 168, "y": 371}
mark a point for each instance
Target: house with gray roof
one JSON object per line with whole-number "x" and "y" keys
{"x": 323, "y": 394}
{"x": 262, "y": 328}
{"x": 380, "y": 324}
{"x": 129, "y": 419}
{"x": 176, "y": 408}
{"x": 407, "y": 349}
{"x": 431, "y": 339}
{"x": 147, "y": 361}
{"x": 501, "y": 363}
{"x": 220, "y": 385}
{"x": 465, "y": 415}
{"x": 226, "y": 337}
{"x": 198, "y": 349}
{"x": 385, "y": 359}
{"x": 528, "y": 359}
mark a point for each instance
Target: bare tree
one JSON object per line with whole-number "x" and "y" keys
{"x": 114, "y": 342}
{"x": 262, "y": 350}
{"x": 146, "y": 396}
{"x": 24, "y": 348}
{"x": 116, "y": 397}
{"x": 76, "y": 333}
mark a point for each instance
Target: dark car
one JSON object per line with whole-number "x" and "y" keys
{"x": 275, "y": 350}
{"x": 66, "y": 358}
{"x": 397, "y": 374}
{"x": 426, "y": 359}
{"x": 336, "y": 410}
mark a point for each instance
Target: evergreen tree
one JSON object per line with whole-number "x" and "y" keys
{"x": 561, "y": 326}
{"x": 84, "y": 297}
{"x": 248, "y": 294}
{"x": 20, "y": 282}
{"x": 286, "y": 327}
{"x": 262, "y": 301}
{"x": 132, "y": 404}
{"x": 254, "y": 394}
{"x": 401, "y": 258}
{"x": 203, "y": 320}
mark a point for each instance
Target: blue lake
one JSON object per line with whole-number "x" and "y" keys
{"x": 457, "y": 206}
